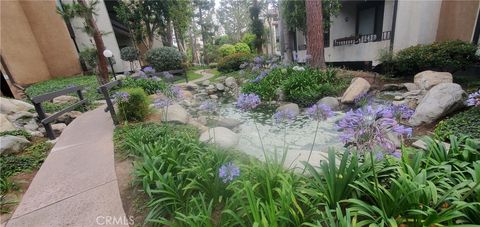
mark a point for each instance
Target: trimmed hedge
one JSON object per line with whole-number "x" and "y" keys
{"x": 164, "y": 58}
{"x": 232, "y": 62}
{"x": 465, "y": 123}
{"x": 226, "y": 49}
{"x": 448, "y": 56}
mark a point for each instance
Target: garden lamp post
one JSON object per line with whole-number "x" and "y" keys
{"x": 108, "y": 54}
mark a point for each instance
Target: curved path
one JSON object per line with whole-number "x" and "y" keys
{"x": 77, "y": 184}
{"x": 205, "y": 76}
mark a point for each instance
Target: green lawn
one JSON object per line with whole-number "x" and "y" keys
{"x": 89, "y": 84}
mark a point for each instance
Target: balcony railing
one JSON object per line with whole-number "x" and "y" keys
{"x": 362, "y": 39}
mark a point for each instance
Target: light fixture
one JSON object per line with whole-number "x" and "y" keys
{"x": 108, "y": 54}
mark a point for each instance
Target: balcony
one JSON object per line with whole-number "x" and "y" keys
{"x": 386, "y": 35}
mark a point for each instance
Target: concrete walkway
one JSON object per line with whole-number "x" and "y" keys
{"x": 205, "y": 76}
{"x": 77, "y": 184}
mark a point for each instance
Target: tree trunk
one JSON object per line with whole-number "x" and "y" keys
{"x": 169, "y": 34}
{"x": 204, "y": 35}
{"x": 193, "y": 42}
{"x": 179, "y": 39}
{"x": 315, "y": 51}
{"x": 285, "y": 41}
{"x": 97, "y": 37}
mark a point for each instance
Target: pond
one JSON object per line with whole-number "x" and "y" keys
{"x": 295, "y": 138}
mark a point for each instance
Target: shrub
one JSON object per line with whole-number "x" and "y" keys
{"x": 308, "y": 86}
{"x": 249, "y": 39}
{"x": 150, "y": 86}
{"x": 242, "y": 48}
{"x": 301, "y": 87}
{"x": 164, "y": 58}
{"x": 461, "y": 124}
{"x": 89, "y": 57}
{"x": 129, "y": 54}
{"x": 226, "y": 49}
{"x": 132, "y": 104}
{"x": 267, "y": 87}
{"x": 444, "y": 56}
{"x": 232, "y": 62}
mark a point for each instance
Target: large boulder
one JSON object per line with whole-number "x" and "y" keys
{"x": 219, "y": 122}
{"x": 58, "y": 128}
{"x": 427, "y": 79}
{"x": 292, "y": 107}
{"x": 175, "y": 113}
{"x": 332, "y": 102}
{"x": 220, "y": 136}
{"x": 13, "y": 144}
{"x": 220, "y": 86}
{"x": 358, "y": 86}
{"x": 439, "y": 101}
{"x": 5, "y": 124}
{"x": 65, "y": 99}
{"x": 9, "y": 106}
{"x": 411, "y": 86}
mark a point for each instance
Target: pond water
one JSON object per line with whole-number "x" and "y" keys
{"x": 295, "y": 139}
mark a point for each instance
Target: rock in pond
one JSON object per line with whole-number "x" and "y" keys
{"x": 220, "y": 136}
{"x": 332, "y": 102}
{"x": 291, "y": 107}
{"x": 439, "y": 101}
{"x": 357, "y": 87}
{"x": 427, "y": 79}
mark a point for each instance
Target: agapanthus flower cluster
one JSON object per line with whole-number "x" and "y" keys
{"x": 262, "y": 75}
{"x": 286, "y": 115}
{"x": 162, "y": 102}
{"x": 258, "y": 60}
{"x": 121, "y": 96}
{"x": 228, "y": 172}
{"x": 208, "y": 106}
{"x": 474, "y": 99}
{"x": 368, "y": 128}
{"x": 248, "y": 101}
{"x": 167, "y": 75}
{"x": 400, "y": 112}
{"x": 174, "y": 92}
{"x": 142, "y": 75}
{"x": 319, "y": 112}
{"x": 149, "y": 70}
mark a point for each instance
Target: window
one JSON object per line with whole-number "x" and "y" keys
{"x": 370, "y": 18}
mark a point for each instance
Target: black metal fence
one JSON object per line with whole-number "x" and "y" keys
{"x": 46, "y": 120}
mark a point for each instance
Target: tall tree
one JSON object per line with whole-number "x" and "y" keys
{"x": 257, "y": 25}
{"x": 144, "y": 18}
{"x": 204, "y": 14}
{"x": 181, "y": 14}
{"x": 315, "y": 45}
{"x": 87, "y": 12}
{"x": 233, "y": 16}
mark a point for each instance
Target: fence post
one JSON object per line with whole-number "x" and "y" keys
{"x": 41, "y": 116}
{"x": 80, "y": 96}
{"x": 186, "y": 76}
{"x": 110, "y": 106}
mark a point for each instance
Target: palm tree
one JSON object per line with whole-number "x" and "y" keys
{"x": 315, "y": 47}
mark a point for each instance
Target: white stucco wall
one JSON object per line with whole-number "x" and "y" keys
{"x": 417, "y": 23}
{"x": 105, "y": 26}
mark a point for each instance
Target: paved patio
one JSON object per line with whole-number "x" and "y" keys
{"x": 77, "y": 184}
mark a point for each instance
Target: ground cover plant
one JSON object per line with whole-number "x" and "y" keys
{"x": 89, "y": 84}
{"x": 465, "y": 123}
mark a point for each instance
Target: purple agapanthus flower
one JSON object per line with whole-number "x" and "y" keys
{"x": 208, "y": 106}
{"x": 142, "y": 74}
{"x": 400, "y": 112}
{"x": 162, "y": 102}
{"x": 122, "y": 96}
{"x": 319, "y": 112}
{"x": 258, "y": 60}
{"x": 262, "y": 75}
{"x": 286, "y": 115}
{"x": 228, "y": 172}
{"x": 149, "y": 70}
{"x": 248, "y": 101}
{"x": 175, "y": 92}
{"x": 167, "y": 75}
{"x": 368, "y": 128}
{"x": 474, "y": 99}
